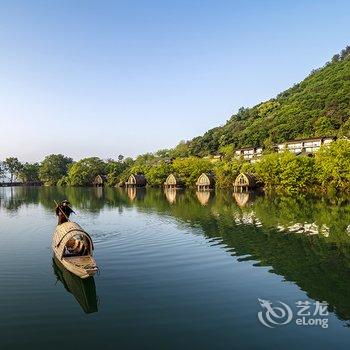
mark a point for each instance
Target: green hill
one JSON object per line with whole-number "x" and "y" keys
{"x": 317, "y": 106}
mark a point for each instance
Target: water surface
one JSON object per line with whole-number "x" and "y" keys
{"x": 178, "y": 270}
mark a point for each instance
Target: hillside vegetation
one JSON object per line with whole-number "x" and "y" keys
{"x": 317, "y": 106}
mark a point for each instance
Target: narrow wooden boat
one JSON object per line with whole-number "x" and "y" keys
{"x": 73, "y": 247}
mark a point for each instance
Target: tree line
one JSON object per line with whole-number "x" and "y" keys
{"x": 327, "y": 171}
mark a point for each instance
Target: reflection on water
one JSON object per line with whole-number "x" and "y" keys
{"x": 243, "y": 199}
{"x": 83, "y": 290}
{"x": 135, "y": 193}
{"x": 170, "y": 194}
{"x": 204, "y": 196}
{"x": 304, "y": 240}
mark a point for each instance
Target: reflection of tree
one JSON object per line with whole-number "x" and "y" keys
{"x": 319, "y": 264}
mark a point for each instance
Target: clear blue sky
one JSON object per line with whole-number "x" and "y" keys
{"x": 102, "y": 78}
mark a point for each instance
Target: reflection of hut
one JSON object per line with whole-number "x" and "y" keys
{"x": 170, "y": 194}
{"x": 205, "y": 182}
{"x": 203, "y": 196}
{"x": 136, "y": 180}
{"x": 242, "y": 198}
{"x": 173, "y": 181}
{"x": 100, "y": 180}
{"x": 244, "y": 182}
{"x": 98, "y": 191}
{"x": 84, "y": 290}
{"x": 136, "y": 193}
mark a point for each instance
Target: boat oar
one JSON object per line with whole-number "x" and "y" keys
{"x": 57, "y": 206}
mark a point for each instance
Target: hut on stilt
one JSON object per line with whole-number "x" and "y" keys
{"x": 136, "y": 180}
{"x": 244, "y": 182}
{"x": 173, "y": 181}
{"x": 205, "y": 182}
{"x": 100, "y": 180}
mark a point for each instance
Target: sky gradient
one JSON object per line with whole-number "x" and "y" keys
{"x": 102, "y": 78}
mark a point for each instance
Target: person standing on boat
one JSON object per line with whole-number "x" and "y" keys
{"x": 63, "y": 211}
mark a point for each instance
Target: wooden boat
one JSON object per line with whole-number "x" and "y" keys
{"x": 84, "y": 290}
{"x": 73, "y": 247}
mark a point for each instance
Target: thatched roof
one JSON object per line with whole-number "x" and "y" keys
{"x": 138, "y": 180}
{"x": 245, "y": 179}
{"x": 206, "y": 179}
{"x": 173, "y": 179}
{"x": 100, "y": 179}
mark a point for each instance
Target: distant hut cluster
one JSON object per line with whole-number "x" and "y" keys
{"x": 136, "y": 180}
{"x": 244, "y": 182}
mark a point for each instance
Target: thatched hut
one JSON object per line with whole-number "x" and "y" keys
{"x": 173, "y": 181}
{"x": 136, "y": 180}
{"x": 244, "y": 182}
{"x": 205, "y": 182}
{"x": 100, "y": 180}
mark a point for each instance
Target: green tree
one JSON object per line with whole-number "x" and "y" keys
{"x": 157, "y": 174}
{"x": 189, "y": 169}
{"x": 13, "y": 166}
{"x": 333, "y": 165}
{"x": 226, "y": 172}
{"x": 29, "y": 172}
{"x": 83, "y": 172}
{"x": 114, "y": 170}
{"x": 53, "y": 167}
{"x": 285, "y": 172}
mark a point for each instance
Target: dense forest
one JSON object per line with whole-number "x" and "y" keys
{"x": 317, "y": 106}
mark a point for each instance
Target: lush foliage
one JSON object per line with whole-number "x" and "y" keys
{"x": 226, "y": 172}
{"x": 53, "y": 168}
{"x": 333, "y": 166}
{"x": 318, "y": 106}
{"x": 285, "y": 172}
{"x": 12, "y": 165}
{"x": 189, "y": 169}
{"x": 29, "y": 172}
{"x": 83, "y": 172}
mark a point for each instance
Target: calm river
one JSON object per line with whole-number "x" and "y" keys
{"x": 178, "y": 270}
